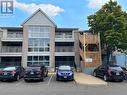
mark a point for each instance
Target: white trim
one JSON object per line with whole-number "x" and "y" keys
{"x": 64, "y": 53}
{"x": 38, "y": 54}
{"x": 10, "y": 54}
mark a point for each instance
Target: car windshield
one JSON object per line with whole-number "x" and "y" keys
{"x": 64, "y": 68}
{"x": 9, "y": 69}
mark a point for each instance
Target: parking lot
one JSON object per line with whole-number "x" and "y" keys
{"x": 52, "y": 87}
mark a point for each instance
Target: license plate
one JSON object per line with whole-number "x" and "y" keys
{"x": 117, "y": 73}
{"x": 65, "y": 76}
{"x": 5, "y": 73}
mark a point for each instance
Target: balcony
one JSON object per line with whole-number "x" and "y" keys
{"x": 89, "y": 38}
{"x": 64, "y": 51}
{"x": 93, "y": 55}
{"x": 10, "y": 51}
{"x": 13, "y": 36}
{"x": 64, "y": 38}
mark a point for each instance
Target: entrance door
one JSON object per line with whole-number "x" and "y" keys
{"x": 64, "y": 60}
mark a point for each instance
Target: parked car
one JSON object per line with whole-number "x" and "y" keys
{"x": 11, "y": 73}
{"x": 110, "y": 72}
{"x": 125, "y": 72}
{"x": 64, "y": 72}
{"x": 35, "y": 73}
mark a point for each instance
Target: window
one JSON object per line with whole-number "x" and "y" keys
{"x": 39, "y": 32}
{"x": 35, "y": 49}
{"x": 39, "y": 39}
{"x": 47, "y": 49}
{"x": 33, "y": 60}
{"x": 41, "y": 49}
{"x": 30, "y": 58}
{"x": 30, "y": 49}
{"x": 41, "y": 42}
{"x": 35, "y": 42}
{"x": 30, "y": 42}
{"x": 41, "y": 58}
{"x": 38, "y": 45}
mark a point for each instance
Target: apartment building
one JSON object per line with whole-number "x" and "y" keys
{"x": 39, "y": 41}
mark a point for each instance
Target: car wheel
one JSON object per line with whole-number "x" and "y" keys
{"x": 57, "y": 79}
{"x": 42, "y": 79}
{"x": 94, "y": 74}
{"x": 25, "y": 80}
{"x": 46, "y": 75}
{"x": 72, "y": 79}
{"x": 121, "y": 80}
{"x": 105, "y": 78}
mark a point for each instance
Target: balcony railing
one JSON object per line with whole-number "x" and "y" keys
{"x": 64, "y": 49}
{"x": 15, "y": 35}
{"x": 88, "y": 38}
{"x": 63, "y": 36}
{"x": 93, "y": 55}
{"x": 11, "y": 49}
{"x": 91, "y": 38}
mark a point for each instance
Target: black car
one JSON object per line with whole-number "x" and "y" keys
{"x": 110, "y": 72}
{"x": 125, "y": 72}
{"x": 64, "y": 73}
{"x": 11, "y": 73}
{"x": 35, "y": 73}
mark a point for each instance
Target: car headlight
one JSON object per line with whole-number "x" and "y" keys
{"x": 59, "y": 73}
{"x": 70, "y": 74}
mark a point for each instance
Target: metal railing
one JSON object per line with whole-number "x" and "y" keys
{"x": 14, "y": 35}
{"x": 92, "y": 39}
{"x": 62, "y": 36}
{"x": 11, "y": 49}
{"x": 64, "y": 49}
{"x": 93, "y": 55}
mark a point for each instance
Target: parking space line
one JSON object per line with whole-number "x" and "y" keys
{"x": 75, "y": 83}
{"x": 50, "y": 80}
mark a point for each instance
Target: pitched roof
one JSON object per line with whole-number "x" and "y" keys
{"x": 39, "y": 10}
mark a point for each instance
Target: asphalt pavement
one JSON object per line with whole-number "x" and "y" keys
{"x": 52, "y": 87}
